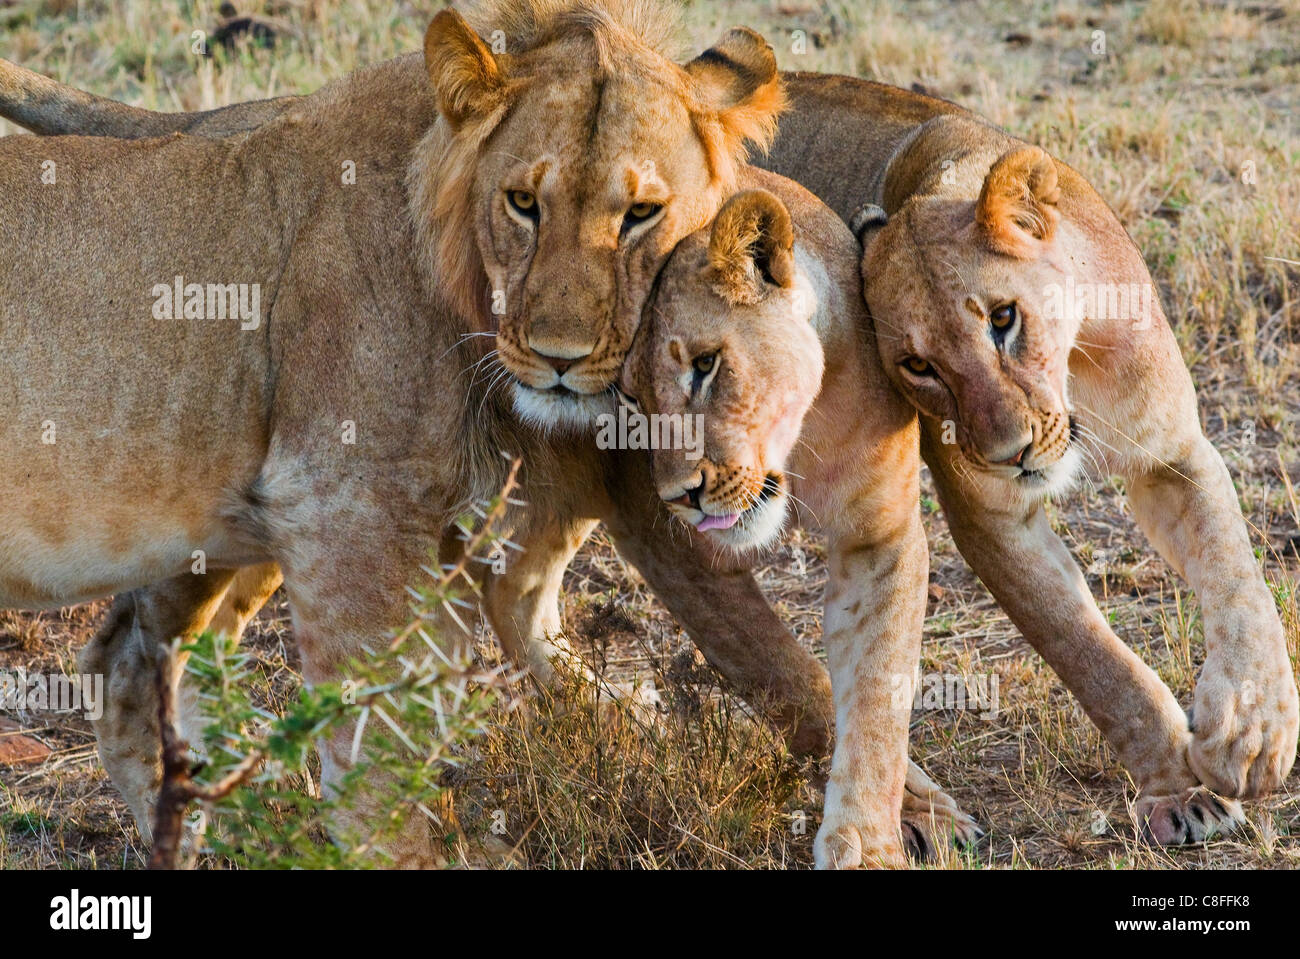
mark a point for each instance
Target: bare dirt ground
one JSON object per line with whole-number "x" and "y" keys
{"x": 1182, "y": 112}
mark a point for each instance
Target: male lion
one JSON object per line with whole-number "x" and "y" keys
{"x": 317, "y": 428}
{"x": 758, "y": 329}
{"x": 853, "y": 142}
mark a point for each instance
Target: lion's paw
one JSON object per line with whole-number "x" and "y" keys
{"x": 1190, "y": 817}
{"x": 851, "y": 837}
{"x": 936, "y": 822}
{"x": 1244, "y": 733}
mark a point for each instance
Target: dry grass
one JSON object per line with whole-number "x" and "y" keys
{"x": 1188, "y": 97}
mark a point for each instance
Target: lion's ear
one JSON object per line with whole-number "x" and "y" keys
{"x": 466, "y": 77}
{"x": 1017, "y": 206}
{"x": 752, "y": 243}
{"x": 737, "y": 81}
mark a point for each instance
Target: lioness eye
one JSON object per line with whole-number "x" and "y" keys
{"x": 1003, "y": 317}
{"x": 640, "y": 212}
{"x": 918, "y": 366}
{"x": 524, "y": 202}
{"x": 701, "y": 369}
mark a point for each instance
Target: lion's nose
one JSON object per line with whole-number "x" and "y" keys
{"x": 560, "y": 364}
{"x": 558, "y": 356}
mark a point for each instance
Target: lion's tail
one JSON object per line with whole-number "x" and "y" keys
{"x": 51, "y": 108}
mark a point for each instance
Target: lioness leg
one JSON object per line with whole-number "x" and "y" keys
{"x": 714, "y": 597}
{"x": 875, "y": 611}
{"x": 125, "y": 651}
{"x": 1245, "y": 714}
{"x": 248, "y": 592}
{"x": 522, "y": 602}
{"x": 1024, "y": 564}
{"x": 932, "y": 818}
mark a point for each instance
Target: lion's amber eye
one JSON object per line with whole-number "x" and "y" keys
{"x": 524, "y": 202}
{"x": 704, "y": 364}
{"x": 640, "y": 212}
{"x": 917, "y": 365}
{"x": 1004, "y": 317}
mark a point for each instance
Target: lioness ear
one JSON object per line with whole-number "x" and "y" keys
{"x": 738, "y": 82}
{"x": 1016, "y": 210}
{"x": 752, "y": 243}
{"x": 465, "y": 76}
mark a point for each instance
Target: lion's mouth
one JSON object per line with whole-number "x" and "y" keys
{"x": 753, "y": 525}
{"x": 559, "y": 407}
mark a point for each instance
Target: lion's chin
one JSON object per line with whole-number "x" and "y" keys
{"x": 758, "y": 527}
{"x": 1056, "y": 480}
{"x": 559, "y": 410}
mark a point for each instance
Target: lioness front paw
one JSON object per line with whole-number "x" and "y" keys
{"x": 846, "y": 847}
{"x": 852, "y": 835}
{"x": 1244, "y": 733}
{"x": 1188, "y": 817}
{"x": 934, "y": 822}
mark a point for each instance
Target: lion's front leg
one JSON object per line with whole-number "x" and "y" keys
{"x": 346, "y": 580}
{"x": 715, "y": 598}
{"x": 875, "y": 611}
{"x": 1245, "y": 716}
{"x": 1012, "y": 548}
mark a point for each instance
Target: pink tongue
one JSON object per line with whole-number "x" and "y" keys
{"x": 725, "y": 521}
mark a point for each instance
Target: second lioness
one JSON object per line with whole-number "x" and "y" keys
{"x": 757, "y": 329}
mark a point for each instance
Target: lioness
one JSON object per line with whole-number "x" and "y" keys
{"x": 316, "y": 427}
{"x": 853, "y": 142}
{"x": 757, "y": 328}
{"x": 975, "y": 240}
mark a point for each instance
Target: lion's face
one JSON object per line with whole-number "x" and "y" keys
{"x": 578, "y": 218}
{"x": 957, "y": 294}
{"x": 728, "y": 361}
{"x": 592, "y": 156}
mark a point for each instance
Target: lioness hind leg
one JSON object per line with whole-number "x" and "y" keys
{"x": 126, "y": 652}
{"x": 248, "y": 593}
{"x": 931, "y": 819}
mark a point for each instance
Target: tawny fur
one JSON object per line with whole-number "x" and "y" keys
{"x": 797, "y": 397}
{"x": 846, "y": 139}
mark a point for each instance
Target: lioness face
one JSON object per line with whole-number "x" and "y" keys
{"x": 591, "y": 155}
{"x": 957, "y": 295}
{"x": 727, "y": 354}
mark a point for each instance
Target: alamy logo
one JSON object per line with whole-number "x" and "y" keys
{"x": 21, "y": 691}
{"x": 943, "y": 691}
{"x": 632, "y": 430}
{"x": 208, "y": 301}
{"x": 1099, "y": 301}
{"x": 76, "y": 912}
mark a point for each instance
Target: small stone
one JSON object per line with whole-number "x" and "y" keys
{"x": 17, "y": 749}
